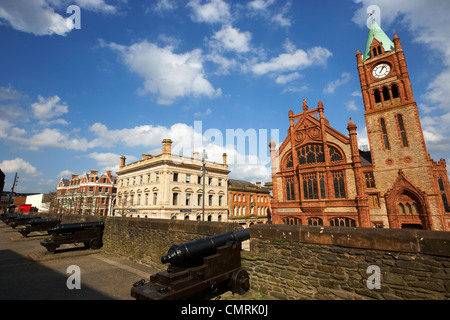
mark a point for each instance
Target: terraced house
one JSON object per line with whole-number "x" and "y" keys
{"x": 89, "y": 194}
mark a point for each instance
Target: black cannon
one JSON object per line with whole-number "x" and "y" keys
{"x": 39, "y": 225}
{"x": 198, "y": 266}
{"x": 20, "y": 220}
{"x": 88, "y": 233}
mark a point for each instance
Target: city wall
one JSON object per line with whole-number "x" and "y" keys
{"x": 303, "y": 262}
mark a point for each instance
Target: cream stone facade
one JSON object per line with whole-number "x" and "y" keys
{"x": 169, "y": 186}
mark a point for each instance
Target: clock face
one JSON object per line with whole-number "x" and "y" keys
{"x": 381, "y": 70}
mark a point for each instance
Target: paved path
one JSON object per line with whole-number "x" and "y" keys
{"x": 28, "y": 271}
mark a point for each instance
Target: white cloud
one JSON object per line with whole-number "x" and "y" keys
{"x": 18, "y": 165}
{"x": 203, "y": 114}
{"x": 283, "y": 79}
{"x": 167, "y": 74}
{"x": 213, "y": 11}
{"x": 39, "y": 17}
{"x": 333, "y": 85}
{"x": 231, "y": 39}
{"x": 293, "y": 61}
{"x": 260, "y": 5}
{"x": 65, "y": 173}
{"x": 48, "y": 108}
{"x": 351, "y": 106}
{"x": 276, "y": 16}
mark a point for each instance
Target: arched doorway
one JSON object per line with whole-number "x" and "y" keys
{"x": 407, "y": 206}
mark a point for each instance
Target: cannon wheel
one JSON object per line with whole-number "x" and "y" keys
{"x": 95, "y": 244}
{"x": 240, "y": 281}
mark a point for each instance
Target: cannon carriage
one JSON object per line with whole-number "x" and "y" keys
{"x": 198, "y": 266}
{"x": 88, "y": 233}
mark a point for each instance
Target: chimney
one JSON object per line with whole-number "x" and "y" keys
{"x": 224, "y": 156}
{"x": 167, "y": 146}
{"x": 94, "y": 172}
{"x": 108, "y": 173}
{"x": 122, "y": 161}
{"x": 74, "y": 176}
{"x": 195, "y": 155}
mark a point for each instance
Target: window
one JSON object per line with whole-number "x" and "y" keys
{"x": 188, "y": 178}
{"x": 342, "y": 222}
{"x": 146, "y": 199}
{"x": 175, "y": 176}
{"x": 374, "y": 201}
{"x": 311, "y": 154}
{"x": 315, "y": 222}
{"x": 155, "y": 198}
{"x": 310, "y": 187}
{"x": 394, "y": 90}
{"x": 199, "y": 200}
{"x": 199, "y": 180}
{"x": 379, "y": 50}
{"x": 141, "y": 179}
{"x": 290, "y": 192}
{"x": 210, "y": 200}
{"x": 384, "y": 134}
{"x": 220, "y": 200}
{"x": 374, "y": 50}
{"x": 370, "y": 180}
{"x": 157, "y": 176}
{"x": 210, "y": 181}
{"x": 401, "y": 127}
{"x": 401, "y": 208}
{"x": 292, "y": 220}
{"x": 139, "y": 199}
{"x": 220, "y": 182}
{"x": 175, "y": 199}
{"x": 335, "y": 155}
{"x": 289, "y": 162}
{"x": 91, "y": 189}
{"x": 188, "y": 199}
{"x": 386, "y": 95}
{"x": 443, "y": 194}
{"x": 377, "y": 96}
{"x": 339, "y": 186}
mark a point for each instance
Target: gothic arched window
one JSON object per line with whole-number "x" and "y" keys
{"x": 401, "y": 127}
{"x": 384, "y": 134}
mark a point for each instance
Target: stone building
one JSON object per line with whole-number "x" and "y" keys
{"x": 88, "y": 194}
{"x": 248, "y": 203}
{"x": 320, "y": 177}
{"x": 168, "y": 186}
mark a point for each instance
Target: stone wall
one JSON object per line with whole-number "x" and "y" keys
{"x": 302, "y": 262}
{"x": 147, "y": 240}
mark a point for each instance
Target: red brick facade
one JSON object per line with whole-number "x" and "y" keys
{"x": 89, "y": 194}
{"x": 320, "y": 177}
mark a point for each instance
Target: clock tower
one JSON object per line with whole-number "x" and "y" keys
{"x": 405, "y": 177}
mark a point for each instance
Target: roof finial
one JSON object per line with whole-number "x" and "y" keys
{"x": 305, "y": 107}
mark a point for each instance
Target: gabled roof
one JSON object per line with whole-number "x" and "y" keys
{"x": 377, "y": 33}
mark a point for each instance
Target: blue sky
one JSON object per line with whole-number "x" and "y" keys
{"x": 136, "y": 72}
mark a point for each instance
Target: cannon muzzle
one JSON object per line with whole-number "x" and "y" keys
{"x": 192, "y": 253}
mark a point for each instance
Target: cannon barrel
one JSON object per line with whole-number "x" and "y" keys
{"x": 37, "y": 222}
{"x": 74, "y": 227}
{"x": 192, "y": 253}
